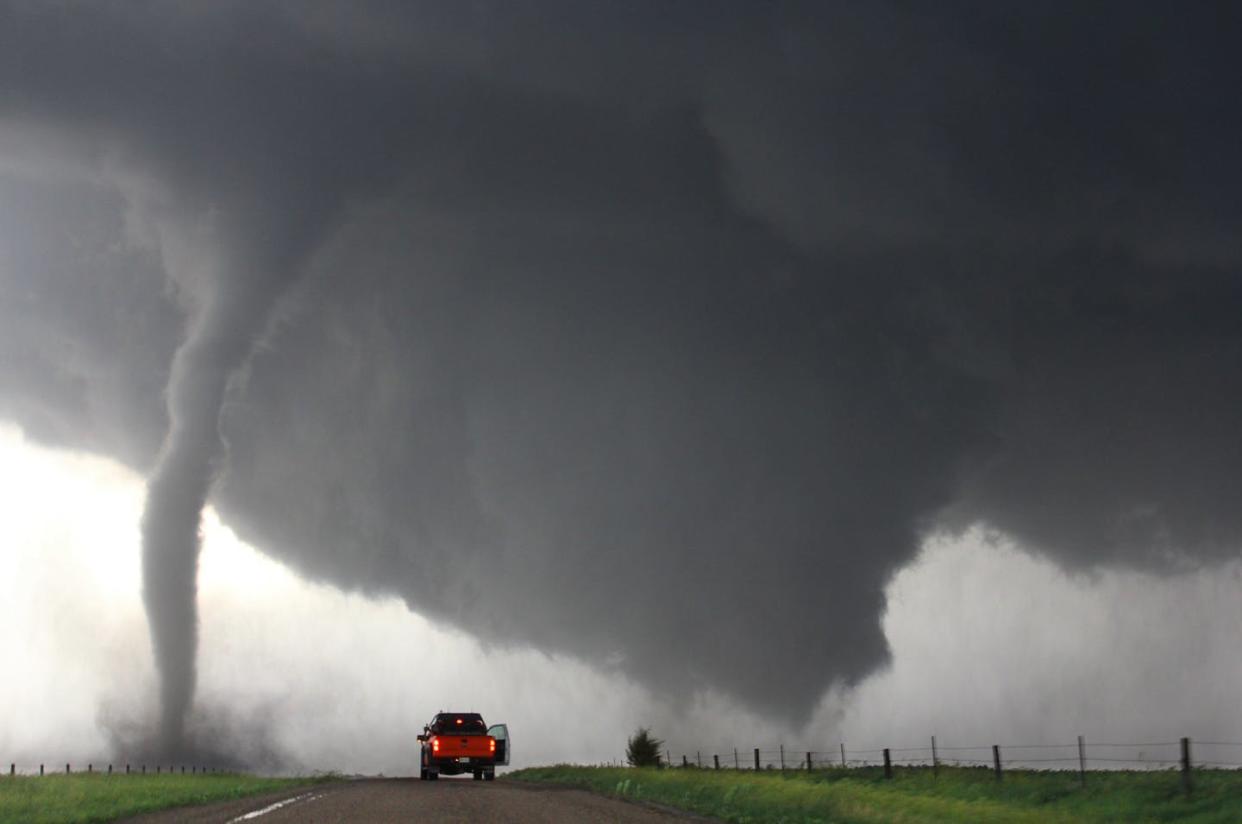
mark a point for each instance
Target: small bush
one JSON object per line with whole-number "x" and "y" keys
{"x": 643, "y": 750}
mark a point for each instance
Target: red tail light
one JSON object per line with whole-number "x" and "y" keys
{"x": 491, "y": 743}
{"x": 435, "y": 745}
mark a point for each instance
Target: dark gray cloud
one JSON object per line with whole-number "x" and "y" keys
{"x": 655, "y": 334}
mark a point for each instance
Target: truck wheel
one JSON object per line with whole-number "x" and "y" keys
{"x": 490, "y": 775}
{"x": 478, "y": 775}
{"x": 432, "y": 775}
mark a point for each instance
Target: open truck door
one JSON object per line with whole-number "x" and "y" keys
{"x": 501, "y": 733}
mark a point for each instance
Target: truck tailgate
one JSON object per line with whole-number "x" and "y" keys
{"x": 463, "y": 746}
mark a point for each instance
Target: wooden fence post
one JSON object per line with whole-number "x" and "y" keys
{"x": 1082, "y": 761}
{"x": 716, "y": 759}
{"x": 935, "y": 760}
{"x": 843, "y": 764}
{"x": 698, "y": 758}
{"x": 40, "y": 769}
{"x": 127, "y": 769}
{"x": 737, "y": 765}
{"x": 756, "y": 759}
{"x": 888, "y": 764}
{"x": 685, "y": 762}
{"x": 12, "y": 769}
{"x": 782, "y": 757}
{"x": 66, "y": 769}
{"x": 996, "y": 760}
{"x": 90, "y": 768}
{"x": 808, "y": 762}
{"x": 1186, "y": 765}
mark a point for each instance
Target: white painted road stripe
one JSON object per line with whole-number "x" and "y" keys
{"x": 273, "y": 807}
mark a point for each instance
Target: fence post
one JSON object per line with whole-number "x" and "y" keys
{"x": 935, "y": 760}
{"x": 782, "y": 757}
{"x": 685, "y": 762}
{"x": 716, "y": 759}
{"x": 1082, "y": 761}
{"x": 808, "y": 762}
{"x": 668, "y": 758}
{"x": 66, "y": 769}
{"x": 109, "y": 769}
{"x": 996, "y": 760}
{"x": 698, "y": 758}
{"x": 40, "y": 769}
{"x": 157, "y": 769}
{"x": 843, "y": 764}
{"x": 144, "y": 769}
{"x": 737, "y": 765}
{"x": 756, "y": 759}
{"x": 127, "y": 769}
{"x": 12, "y": 769}
{"x": 888, "y": 764}
{"x": 1186, "y": 765}
{"x": 90, "y": 768}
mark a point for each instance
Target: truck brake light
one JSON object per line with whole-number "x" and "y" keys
{"x": 435, "y": 745}
{"x": 491, "y": 744}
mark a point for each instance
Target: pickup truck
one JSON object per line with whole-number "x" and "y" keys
{"x": 459, "y": 742}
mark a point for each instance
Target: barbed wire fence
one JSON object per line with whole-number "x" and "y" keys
{"x": 1081, "y": 757}
{"x": 114, "y": 769}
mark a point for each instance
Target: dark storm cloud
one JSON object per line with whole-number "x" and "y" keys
{"x": 656, "y": 334}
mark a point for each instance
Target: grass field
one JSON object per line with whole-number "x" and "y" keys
{"x": 914, "y": 796}
{"x": 78, "y": 799}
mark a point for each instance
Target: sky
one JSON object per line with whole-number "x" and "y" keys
{"x": 674, "y": 352}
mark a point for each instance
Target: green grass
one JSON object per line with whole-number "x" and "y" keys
{"x": 84, "y": 798}
{"x": 914, "y": 796}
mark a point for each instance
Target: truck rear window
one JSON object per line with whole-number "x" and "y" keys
{"x": 468, "y": 723}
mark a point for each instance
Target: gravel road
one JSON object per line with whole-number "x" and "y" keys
{"x": 447, "y": 801}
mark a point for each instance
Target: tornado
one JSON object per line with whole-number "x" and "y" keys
{"x": 232, "y": 303}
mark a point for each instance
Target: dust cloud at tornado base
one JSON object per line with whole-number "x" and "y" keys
{"x": 606, "y": 356}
